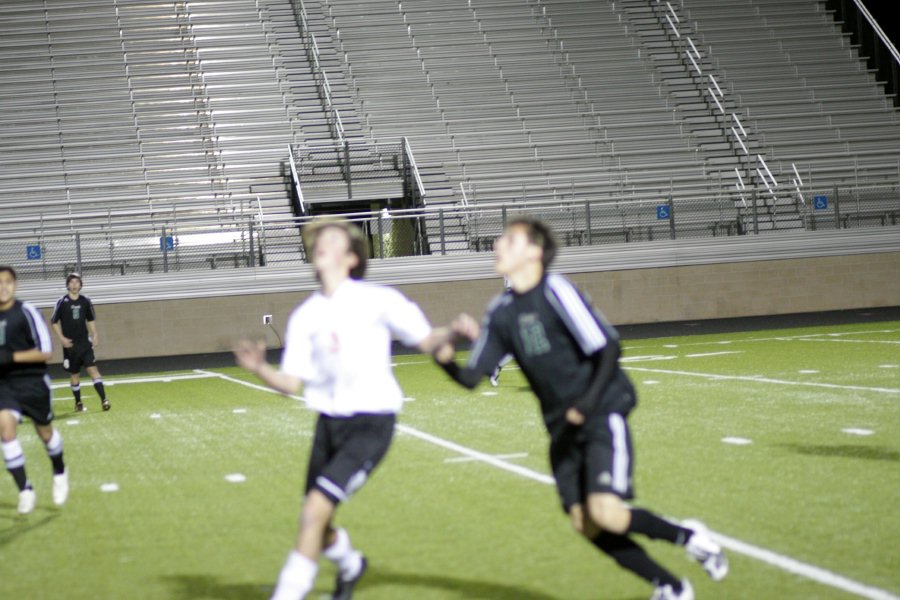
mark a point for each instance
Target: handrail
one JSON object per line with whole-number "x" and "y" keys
{"x": 877, "y": 29}
{"x": 313, "y": 51}
{"x": 296, "y": 178}
{"x": 415, "y": 169}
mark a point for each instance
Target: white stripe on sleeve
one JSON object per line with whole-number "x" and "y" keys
{"x": 592, "y": 337}
{"x": 39, "y": 330}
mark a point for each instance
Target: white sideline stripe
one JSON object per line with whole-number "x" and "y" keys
{"x": 462, "y": 459}
{"x": 714, "y": 353}
{"x": 786, "y": 563}
{"x": 852, "y": 341}
{"x": 796, "y": 567}
{"x": 162, "y": 379}
{"x": 248, "y": 384}
{"x": 780, "y": 338}
{"x": 768, "y": 380}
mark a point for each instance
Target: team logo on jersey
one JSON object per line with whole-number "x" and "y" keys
{"x": 2, "y": 332}
{"x": 533, "y": 335}
{"x": 76, "y": 312}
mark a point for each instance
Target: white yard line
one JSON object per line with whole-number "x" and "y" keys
{"x": 462, "y": 459}
{"x": 768, "y": 380}
{"x": 850, "y": 341}
{"x": 158, "y": 379}
{"x": 714, "y": 353}
{"x": 781, "y": 338}
{"x": 785, "y": 563}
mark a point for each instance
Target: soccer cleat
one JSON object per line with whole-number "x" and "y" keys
{"x": 495, "y": 377}
{"x": 105, "y": 404}
{"x": 667, "y": 592}
{"x": 27, "y": 501}
{"x": 61, "y": 488}
{"x": 79, "y": 407}
{"x": 702, "y": 548}
{"x": 344, "y": 588}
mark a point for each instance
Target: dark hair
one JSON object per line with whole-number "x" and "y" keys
{"x": 539, "y": 234}
{"x": 359, "y": 245}
{"x": 74, "y": 276}
{"x": 10, "y": 270}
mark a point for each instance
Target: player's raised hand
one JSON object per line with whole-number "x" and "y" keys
{"x": 250, "y": 355}
{"x": 466, "y": 326}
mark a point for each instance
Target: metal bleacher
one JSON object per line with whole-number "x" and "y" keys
{"x": 163, "y": 113}
{"x": 119, "y": 112}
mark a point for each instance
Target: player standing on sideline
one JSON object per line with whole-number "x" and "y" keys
{"x": 25, "y": 348}
{"x": 338, "y": 347}
{"x": 570, "y": 356}
{"x": 73, "y": 320}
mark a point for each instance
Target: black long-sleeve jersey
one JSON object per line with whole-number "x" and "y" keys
{"x": 74, "y": 316}
{"x": 23, "y": 328}
{"x": 566, "y": 349}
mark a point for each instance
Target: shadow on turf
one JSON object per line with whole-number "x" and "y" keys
{"x": 189, "y": 587}
{"x": 21, "y": 525}
{"x": 846, "y": 451}
{"x": 462, "y": 588}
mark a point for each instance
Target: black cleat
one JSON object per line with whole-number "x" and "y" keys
{"x": 343, "y": 590}
{"x": 105, "y": 404}
{"x": 79, "y": 407}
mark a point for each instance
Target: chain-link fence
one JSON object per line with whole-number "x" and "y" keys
{"x": 453, "y": 229}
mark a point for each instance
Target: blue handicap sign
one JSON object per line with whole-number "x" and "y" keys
{"x": 820, "y": 202}
{"x": 663, "y": 211}
{"x": 167, "y": 243}
{"x": 33, "y": 252}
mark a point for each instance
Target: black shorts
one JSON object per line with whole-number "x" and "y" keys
{"x": 77, "y": 358}
{"x": 28, "y": 396}
{"x": 345, "y": 451}
{"x": 594, "y": 458}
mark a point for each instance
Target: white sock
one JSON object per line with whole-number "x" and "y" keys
{"x": 343, "y": 555}
{"x": 296, "y": 579}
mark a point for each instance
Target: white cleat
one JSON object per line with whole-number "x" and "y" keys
{"x": 666, "y": 592}
{"x": 61, "y": 488}
{"x": 27, "y": 500}
{"x": 702, "y": 548}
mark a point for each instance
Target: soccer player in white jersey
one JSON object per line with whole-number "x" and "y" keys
{"x": 338, "y": 348}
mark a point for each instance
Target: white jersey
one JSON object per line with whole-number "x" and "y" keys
{"x": 340, "y": 347}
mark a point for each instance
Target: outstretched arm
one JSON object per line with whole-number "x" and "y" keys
{"x": 469, "y": 376}
{"x": 252, "y": 357}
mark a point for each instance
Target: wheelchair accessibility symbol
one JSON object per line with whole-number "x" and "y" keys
{"x": 820, "y": 202}
{"x": 33, "y": 252}
{"x": 663, "y": 211}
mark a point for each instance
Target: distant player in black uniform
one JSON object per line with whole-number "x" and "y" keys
{"x": 570, "y": 356}
{"x": 74, "y": 322}
{"x": 25, "y": 347}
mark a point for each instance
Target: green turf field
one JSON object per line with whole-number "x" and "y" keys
{"x": 438, "y": 524}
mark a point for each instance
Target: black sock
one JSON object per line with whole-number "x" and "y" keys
{"x": 98, "y": 385}
{"x": 20, "y": 478}
{"x": 656, "y": 528}
{"x": 632, "y": 557}
{"x": 76, "y": 391}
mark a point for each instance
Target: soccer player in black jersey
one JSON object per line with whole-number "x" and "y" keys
{"x": 25, "y": 347}
{"x": 570, "y": 356}
{"x": 74, "y": 322}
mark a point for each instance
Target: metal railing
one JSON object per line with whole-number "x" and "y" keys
{"x": 319, "y": 74}
{"x": 208, "y": 243}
